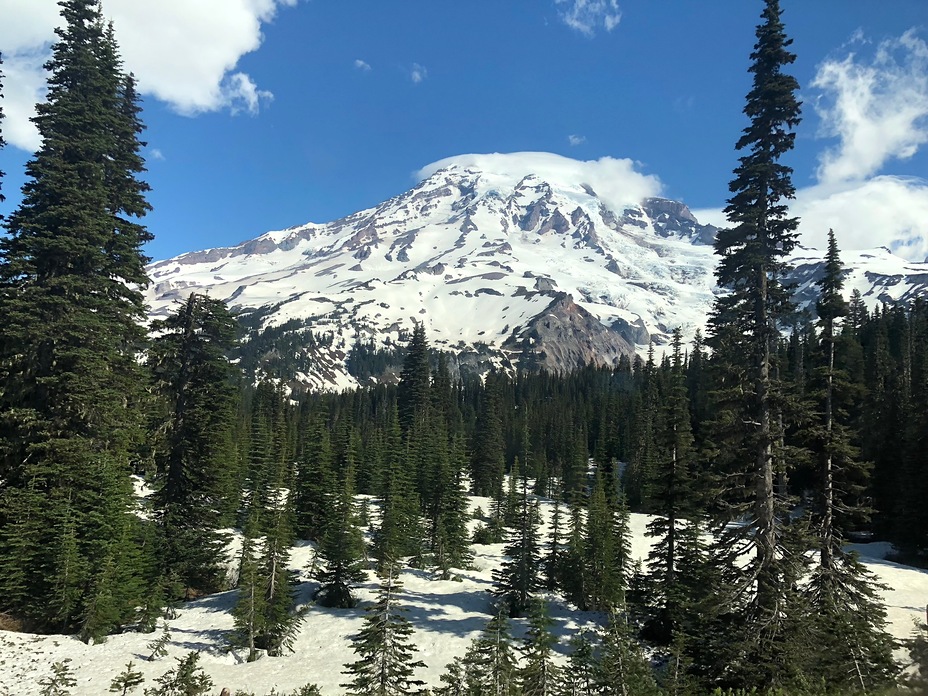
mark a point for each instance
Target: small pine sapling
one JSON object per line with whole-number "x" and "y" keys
{"x": 60, "y": 680}
{"x": 159, "y": 646}
{"x": 187, "y": 679}
{"x": 126, "y": 681}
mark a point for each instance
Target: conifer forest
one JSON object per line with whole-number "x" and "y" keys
{"x": 758, "y": 453}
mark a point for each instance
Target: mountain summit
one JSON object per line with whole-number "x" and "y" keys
{"x": 509, "y": 257}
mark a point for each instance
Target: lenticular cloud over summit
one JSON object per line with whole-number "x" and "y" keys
{"x": 615, "y": 181}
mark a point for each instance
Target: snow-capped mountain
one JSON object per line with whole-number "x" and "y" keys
{"x": 510, "y": 255}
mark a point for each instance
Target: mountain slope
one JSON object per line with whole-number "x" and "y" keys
{"x": 495, "y": 259}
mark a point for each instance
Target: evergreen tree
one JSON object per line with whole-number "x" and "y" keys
{"x": 622, "y": 668}
{"x": 677, "y": 537}
{"x": 852, "y": 646}
{"x": 70, "y": 269}
{"x": 604, "y": 552}
{"x": 279, "y": 620}
{"x": 126, "y": 681}
{"x": 744, "y": 326}
{"x": 249, "y": 610}
{"x": 412, "y": 394}
{"x": 490, "y": 662}
{"x": 341, "y": 550}
{"x": 517, "y": 579}
{"x": 316, "y": 481}
{"x": 61, "y": 680}
{"x": 384, "y": 666}
{"x": 553, "y": 559}
{"x": 193, "y": 376}
{"x": 487, "y": 464}
{"x": 186, "y": 679}
{"x": 581, "y": 673}
{"x": 539, "y": 675}
{"x": 573, "y": 570}
{"x": 400, "y": 532}
{"x": 450, "y": 543}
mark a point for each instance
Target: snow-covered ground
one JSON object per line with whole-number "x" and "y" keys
{"x": 446, "y": 615}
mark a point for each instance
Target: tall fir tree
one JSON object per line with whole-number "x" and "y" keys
{"x": 540, "y": 674}
{"x": 675, "y": 529}
{"x": 280, "y": 620}
{"x": 194, "y": 379}
{"x": 385, "y": 664}
{"x": 487, "y": 448}
{"x": 316, "y": 482}
{"x": 518, "y": 578}
{"x": 744, "y": 326}
{"x": 412, "y": 394}
{"x": 852, "y": 646}
{"x": 70, "y": 272}
{"x": 490, "y": 664}
{"x": 341, "y": 550}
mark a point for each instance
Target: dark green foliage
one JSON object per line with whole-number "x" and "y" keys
{"x": 489, "y": 665}
{"x": 126, "y": 681}
{"x": 265, "y": 617}
{"x": 249, "y": 609}
{"x": 341, "y": 550}
{"x": 159, "y": 646}
{"x": 315, "y": 485}
{"x": 518, "y": 579}
{"x": 412, "y": 395}
{"x": 852, "y": 647}
{"x": 448, "y": 538}
{"x": 186, "y": 679}
{"x": 194, "y": 378}
{"x": 675, "y": 560}
{"x": 70, "y": 419}
{"x": 280, "y": 620}
{"x": 384, "y": 666}
{"x": 622, "y": 667}
{"x": 605, "y": 551}
{"x": 747, "y": 438}
{"x": 580, "y": 674}
{"x": 539, "y": 675}
{"x": 487, "y": 465}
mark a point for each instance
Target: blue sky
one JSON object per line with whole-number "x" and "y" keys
{"x": 264, "y": 114}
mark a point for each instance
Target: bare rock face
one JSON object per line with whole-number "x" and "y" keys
{"x": 565, "y": 336}
{"x": 673, "y": 218}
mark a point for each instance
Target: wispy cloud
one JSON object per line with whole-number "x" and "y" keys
{"x": 877, "y": 106}
{"x": 589, "y": 16}
{"x": 418, "y": 73}
{"x": 362, "y": 65}
{"x": 156, "y": 154}
{"x": 575, "y": 140}
{"x": 197, "y": 75}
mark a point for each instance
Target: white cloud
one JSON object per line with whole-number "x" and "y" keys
{"x": 156, "y": 154}
{"x": 877, "y": 106}
{"x": 615, "y": 181}
{"x": 889, "y": 211}
{"x": 183, "y": 53}
{"x": 418, "y": 73}
{"x": 883, "y": 211}
{"x": 587, "y": 16}
{"x": 361, "y": 65}
{"x": 574, "y": 139}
